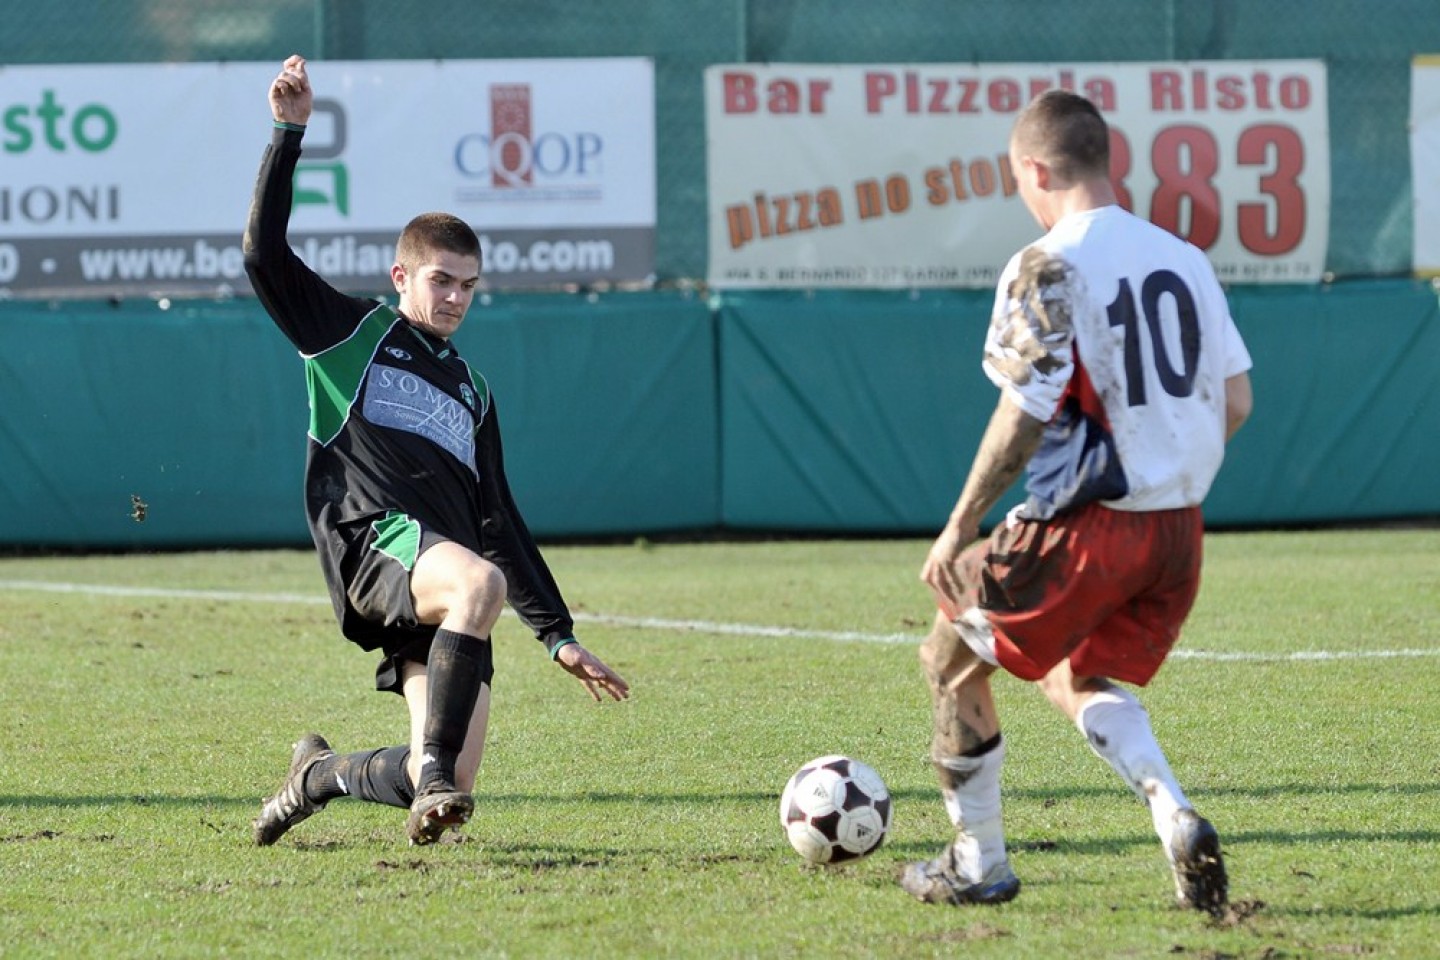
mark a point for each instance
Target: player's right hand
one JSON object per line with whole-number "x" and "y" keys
{"x": 940, "y": 571}
{"x": 291, "y": 98}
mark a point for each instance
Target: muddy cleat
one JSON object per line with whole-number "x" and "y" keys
{"x": 435, "y": 812}
{"x": 1200, "y": 881}
{"x": 935, "y": 881}
{"x": 290, "y": 805}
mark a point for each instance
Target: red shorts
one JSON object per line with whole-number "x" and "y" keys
{"x": 1106, "y": 588}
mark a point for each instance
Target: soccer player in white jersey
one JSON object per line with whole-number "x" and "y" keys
{"x": 1121, "y": 377}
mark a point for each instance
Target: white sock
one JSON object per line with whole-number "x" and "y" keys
{"x": 1118, "y": 730}
{"x": 974, "y": 809}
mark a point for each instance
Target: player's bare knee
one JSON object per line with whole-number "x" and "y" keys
{"x": 948, "y": 660}
{"x": 1055, "y": 687}
{"x": 493, "y": 583}
{"x": 482, "y": 590}
{"x": 938, "y": 649}
{"x": 1066, "y": 690}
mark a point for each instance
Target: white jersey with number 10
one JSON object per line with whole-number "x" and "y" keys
{"x": 1118, "y": 336}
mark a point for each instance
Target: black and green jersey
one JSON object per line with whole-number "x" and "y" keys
{"x": 402, "y": 431}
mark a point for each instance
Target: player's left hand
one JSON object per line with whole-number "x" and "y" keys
{"x": 592, "y": 671}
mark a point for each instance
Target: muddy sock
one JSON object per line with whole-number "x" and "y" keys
{"x": 1118, "y": 730}
{"x": 970, "y": 785}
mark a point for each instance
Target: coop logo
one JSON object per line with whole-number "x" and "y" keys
{"x": 513, "y": 156}
{"x": 51, "y": 125}
{"x": 322, "y": 180}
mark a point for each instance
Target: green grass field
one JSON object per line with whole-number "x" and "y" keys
{"x": 149, "y": 702}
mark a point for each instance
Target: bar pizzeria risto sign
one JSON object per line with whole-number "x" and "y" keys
{"x": 898, "y": 176}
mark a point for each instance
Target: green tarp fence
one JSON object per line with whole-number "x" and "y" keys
{"x": 635, "y": 413}
{"x": 862, "y": 412}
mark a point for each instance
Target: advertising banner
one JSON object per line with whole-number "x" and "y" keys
{"x": 1425, "y": 162}
{"x": 120, "y": 180}
{"x": 898, "y": 175}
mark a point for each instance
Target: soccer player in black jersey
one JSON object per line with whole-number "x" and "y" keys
{"x": 418, "y": 536}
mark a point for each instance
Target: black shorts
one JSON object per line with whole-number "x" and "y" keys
{"x": 381, "y": 609}
{"x": 390, "y": 673}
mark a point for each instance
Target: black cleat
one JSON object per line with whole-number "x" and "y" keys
{"x": 290, "y": 805}
{"x": 935, "y": 881}
{"x": 435, "y": 812}
{"x": 1200, "y": 880}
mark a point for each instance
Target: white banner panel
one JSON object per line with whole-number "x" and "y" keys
{"x": 1425, "y": 162}
{"x": 897, "y": 176}
{"x": 135, "y": 179}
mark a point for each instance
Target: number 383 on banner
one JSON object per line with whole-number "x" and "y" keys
{"x": 1242, "y": 189}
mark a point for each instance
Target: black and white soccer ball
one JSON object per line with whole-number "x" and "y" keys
{"x": 835, "y": 809}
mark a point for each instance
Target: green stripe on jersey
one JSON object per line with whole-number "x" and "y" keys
{"x": 397, "y": 536}
{"x": 332, "y": 377}
{"x": 482, "y": 395}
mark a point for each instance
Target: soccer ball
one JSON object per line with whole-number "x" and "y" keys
{"x": 835, "y": 809}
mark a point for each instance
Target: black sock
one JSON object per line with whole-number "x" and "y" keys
{"x": 374, "y": 775}
{"x": 456, "y": 670}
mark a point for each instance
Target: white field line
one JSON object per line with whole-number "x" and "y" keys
{"x": 684, "y": 626}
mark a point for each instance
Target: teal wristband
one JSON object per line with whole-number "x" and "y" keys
{"x": 555, "y": 651}
{"x": 298, "y": 127}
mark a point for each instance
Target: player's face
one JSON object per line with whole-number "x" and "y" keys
{"x": 435, "y": 294}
